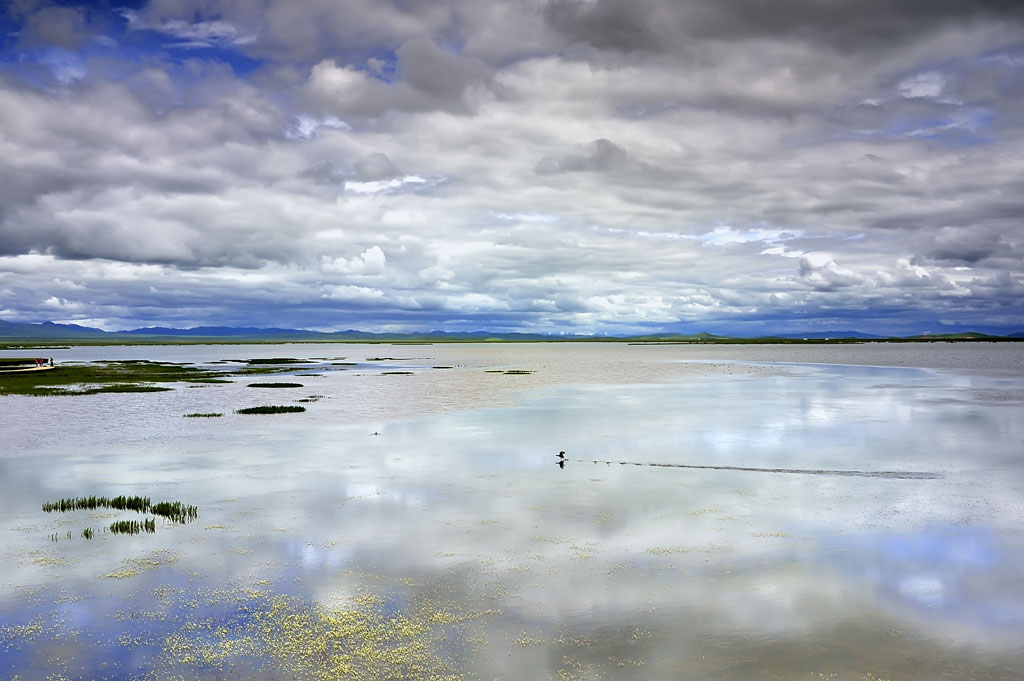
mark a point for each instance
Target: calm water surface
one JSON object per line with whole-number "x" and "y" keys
{"x": 417, "y": 525}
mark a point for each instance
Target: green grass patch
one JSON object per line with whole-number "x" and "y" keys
{"x": 275, "y": 385}
{"x": 123, "y": 388}
{"x": 107, "y": 376}
{"x": 204, "y": 415}
{"x": 271, "y": 409}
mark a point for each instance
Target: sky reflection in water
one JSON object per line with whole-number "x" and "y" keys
{"x": 594, "y": 569}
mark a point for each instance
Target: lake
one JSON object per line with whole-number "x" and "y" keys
{"x": 722, "y": 512}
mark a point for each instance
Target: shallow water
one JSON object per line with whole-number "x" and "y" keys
{"x": 433, "y": 504}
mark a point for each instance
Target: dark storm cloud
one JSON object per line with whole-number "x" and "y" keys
{"x": 601, "y": 156}
{"x": 375, "y": 167}
{"x": 846, "y": 25}
{"x": 323, "y": 173}
{"x": 969, "y": 245}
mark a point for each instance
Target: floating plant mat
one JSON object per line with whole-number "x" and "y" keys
{"x": 252, "y": 632}
{"x": 175, "y": 512}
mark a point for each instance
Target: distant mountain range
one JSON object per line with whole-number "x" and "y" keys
{"x": 52, "y": 332}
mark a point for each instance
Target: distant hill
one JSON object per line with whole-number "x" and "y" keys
{"x": 50, "y": 332}
{"x": 217, "y": 331}
{"x": 47, "y": 331}
{"x": 821, "y": 335}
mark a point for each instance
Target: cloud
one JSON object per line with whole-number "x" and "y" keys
{"x": 375, "y": 167}
{"x": 969, "y": 245}
{"x": 600, "y": 156}
{"x": 323, "y": 173}
{"x": 928, "y": 84}
{"x": 190, "y": 33}
{"x": 63, "y": 27}
{"x": 602, "y": 166}
{"x": 370, "y": 261}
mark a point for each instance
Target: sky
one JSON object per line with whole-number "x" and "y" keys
{"x": 557, "y": 166}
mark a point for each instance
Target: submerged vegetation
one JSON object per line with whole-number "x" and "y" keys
{"x": 271, "y": 409}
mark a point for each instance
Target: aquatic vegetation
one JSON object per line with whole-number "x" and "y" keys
{"x": 271, "y": 409}
{"x": 122, "y": 388}
{"x": 397, "y": 373}
{"x": 135, "y": 376}
{"x": 87, "y": 533}
{"x": 204, "y": 415}
{"x": 275, "y": 385}
{"x": 175, "y": 511}
{"x": 509, "y": 372}
{"x": 133, "y": 526}
{"x": 284, "y": 637}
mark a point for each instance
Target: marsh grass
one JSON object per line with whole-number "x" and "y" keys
{"x": 147, "y": 525}
{"x": 135, "y": 376}
{"x": 175, "y": 511}
{"x": 276, "y": 385}
{"x": 509, "y": 372}
{"x": 271, "y": 409}
{"x": 204, "y": 415}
